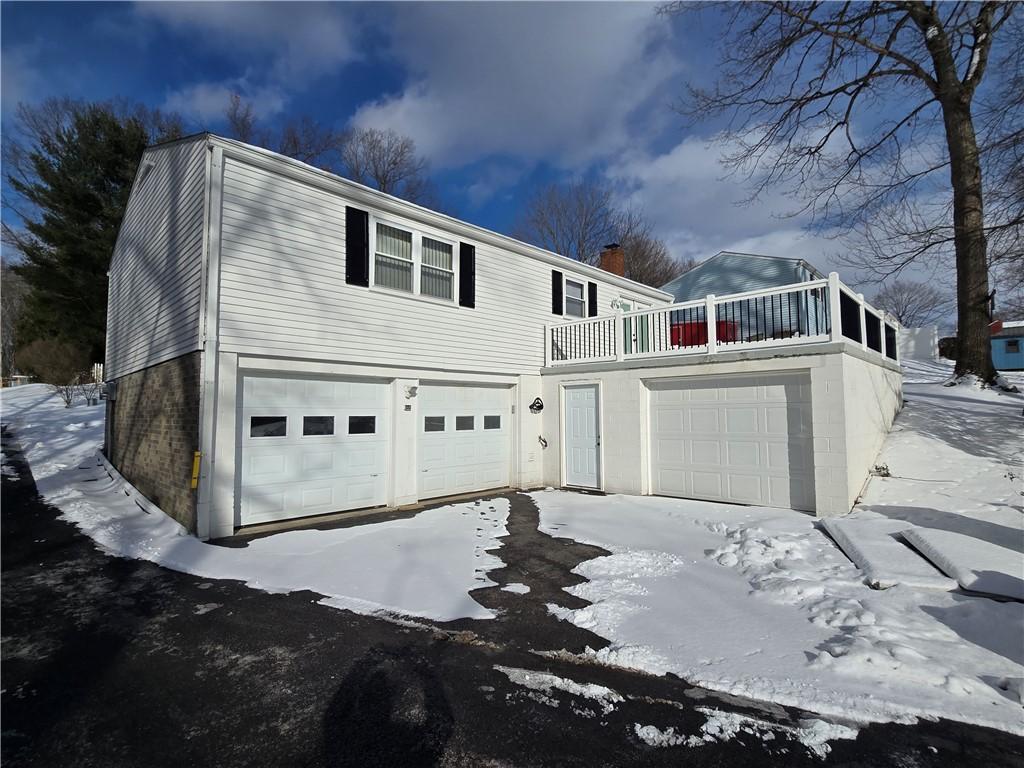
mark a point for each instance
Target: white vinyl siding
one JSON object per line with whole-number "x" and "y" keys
{"x": 283, "y": 290}
{"x": 155, "y": 284}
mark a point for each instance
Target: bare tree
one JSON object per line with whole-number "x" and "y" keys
{"x": 303, "y": 138}
{"x": 579, "y": 218}
{"x": 914, "y": 304}
{"x": 241, "y": 121}
{"x": 381, "y": 159}
{"x": 859, "y": 107}
{"x": 12, "y": 301}
{"x": 387, "y": 161}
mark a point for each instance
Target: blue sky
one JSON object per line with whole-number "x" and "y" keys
{"x": 499, "y": 97}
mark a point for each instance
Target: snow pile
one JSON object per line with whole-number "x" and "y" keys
{"x": 1001, "y": 569}
{"x": 424, "y": 566}
{"x": 722, "y": 726}
{"x": 545, "y": 683}
{"x": 885, "y": 560}
{"x": 516, "y": 588}
{"x": 654, "y": 736}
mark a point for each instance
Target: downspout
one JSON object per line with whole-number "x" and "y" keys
{"x": 208, "y": 357}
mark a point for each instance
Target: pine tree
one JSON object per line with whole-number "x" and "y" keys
{"x": 74, "y": 180}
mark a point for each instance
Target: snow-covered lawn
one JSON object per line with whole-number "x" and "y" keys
{"x": 759, "y": 602}
{"x": 424, "y": 566}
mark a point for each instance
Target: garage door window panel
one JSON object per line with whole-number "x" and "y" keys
{"x": 433, "y": 424}
{"x": 362, "y": 425}
{"x": 492, "y": 422}
{"x": 268, "y": 426}
{"x": 464, "y": 423}
{"x": 317, "y": 426}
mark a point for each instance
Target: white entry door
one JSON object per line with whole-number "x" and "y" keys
{"x": 582, "y": 436}
{"x": 311, "y": 446}
{"x": 743, "y": 439}
{"x": 464, "y": 440}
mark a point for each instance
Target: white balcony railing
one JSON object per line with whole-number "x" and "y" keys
{"x": 803, "y": 313}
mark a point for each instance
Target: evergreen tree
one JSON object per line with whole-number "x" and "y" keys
{"x": 74, "y": 179}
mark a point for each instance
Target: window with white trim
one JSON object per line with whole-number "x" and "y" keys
{"x": 393, "y": 260}
{"x": 413, "y": 262}
{"x": 575, "y": 304}
{"x": 437, "y": 269}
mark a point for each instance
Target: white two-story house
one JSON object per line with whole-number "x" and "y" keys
{"x": 283, "y": 343}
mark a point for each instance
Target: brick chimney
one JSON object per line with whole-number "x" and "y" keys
{"x": 613, "y": 259}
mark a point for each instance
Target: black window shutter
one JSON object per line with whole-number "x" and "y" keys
{"x": 357, "y": 246}
{"x": 467, "y": 275}
{"x": 591, "y": 299}
{"x": 557, "y": 302}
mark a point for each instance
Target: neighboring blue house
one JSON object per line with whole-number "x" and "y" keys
{"x": 787, "y": 314}
{"x": 1008, "y": 346}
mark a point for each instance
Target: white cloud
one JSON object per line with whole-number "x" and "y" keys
{"x": 554, "y": 81}
{"x": 282, "y": 45}
{"x": 298, "y": 39}
{"x": 695, "y": 205}
{"x": 207, "y": 102}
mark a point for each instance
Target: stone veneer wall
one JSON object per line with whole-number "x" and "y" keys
{"x": 153, "y": 430}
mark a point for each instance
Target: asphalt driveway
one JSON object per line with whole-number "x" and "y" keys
{"x": 112, "y": 662}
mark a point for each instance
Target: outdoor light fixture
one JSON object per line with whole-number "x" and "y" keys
{"x": 410, "y": 392}
{"x": 537, "y": 405}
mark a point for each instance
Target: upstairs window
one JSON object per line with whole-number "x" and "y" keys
{"x": 437, "y": 271}
{"x": 408, "y": 261}
{"x": 393, "y": 262}
{"x": 575, "y": 305}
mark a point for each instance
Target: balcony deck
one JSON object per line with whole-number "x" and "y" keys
{"x": 802, "y": 314}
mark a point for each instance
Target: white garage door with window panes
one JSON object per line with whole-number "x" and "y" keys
{"x": 311, "y": 446}
{"x": 734, "y": 438}
{"x": 465, "y": 439}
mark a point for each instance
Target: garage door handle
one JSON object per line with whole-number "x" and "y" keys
{"x": 599, "y": 440}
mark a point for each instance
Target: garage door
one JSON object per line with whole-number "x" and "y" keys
{"x": 736, "y": 439}
{"x": 310, "y": 446}
{"x": 465, "y": 437}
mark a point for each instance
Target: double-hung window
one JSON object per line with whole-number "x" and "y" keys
{"x": 437, "y": 269}
{"x": 412, "y": 262}
{"x": 393, "y": 260}
{"x": 575, "y": 304}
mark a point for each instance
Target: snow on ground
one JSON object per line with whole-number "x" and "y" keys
{"x": 516, "y": 588}
{"x": 958, "y": 555}
{"x": 877, "y": 549}
{"x": 758, "y": 602}
{"x": 545, "y": 683}
{"x": 723, "y": 726}
{"x": 423, "y": 566}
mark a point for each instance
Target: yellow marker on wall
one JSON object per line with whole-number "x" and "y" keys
{"x": 195, "y": 469}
